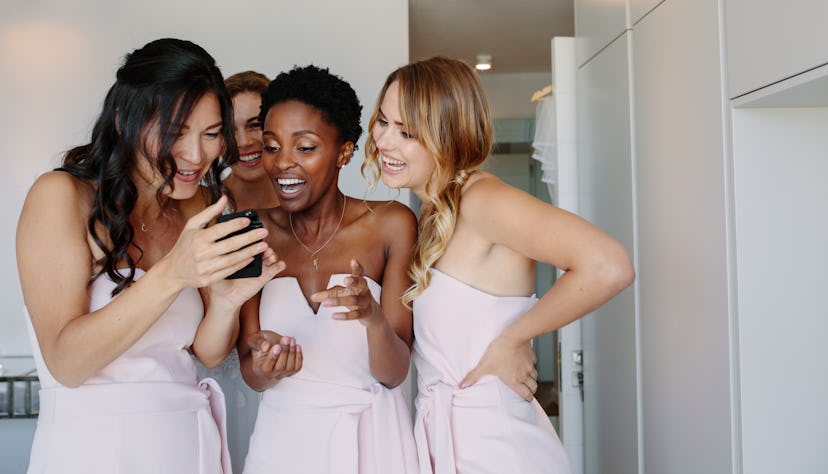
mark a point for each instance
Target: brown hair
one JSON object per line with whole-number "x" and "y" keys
{"x": 444, "y": 107}
{"x": 247, "y": 81}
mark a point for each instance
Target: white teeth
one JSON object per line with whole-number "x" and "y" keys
{"x": 186, "y": 173}
{"x": 288, "y": 181}
{"x": 393, "y": 164}
{"x": 250, "y": 157}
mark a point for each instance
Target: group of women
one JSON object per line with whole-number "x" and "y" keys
{"x": 123, "y": 269}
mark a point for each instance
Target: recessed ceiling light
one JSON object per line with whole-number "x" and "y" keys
{"x": 484, "y": 62}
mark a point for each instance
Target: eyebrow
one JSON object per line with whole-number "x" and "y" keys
{"x": 217, "y": 124}
{"x": 294, "y": 134}
{"x": 385, "y": 116}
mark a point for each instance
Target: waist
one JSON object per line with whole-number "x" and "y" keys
{"x": 123, "y": 399}
{"x": 313, "y": 394}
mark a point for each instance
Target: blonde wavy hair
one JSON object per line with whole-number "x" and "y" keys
{"x": 444, "y": 107}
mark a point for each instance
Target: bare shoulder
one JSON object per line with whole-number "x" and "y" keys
{"x": 59, "y": 190}
{"x": 485, "y": 194}
{"x": 392, "y": 216}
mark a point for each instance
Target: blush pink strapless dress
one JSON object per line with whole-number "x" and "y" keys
{"x": 486, "y": 428}
{"x": 144, "y": 413}
{"x": 332, "y": 416}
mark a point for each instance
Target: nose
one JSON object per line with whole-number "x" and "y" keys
{"x": 243, "y": 138}
{"x": 192, "y": 150}
{"x": 382, "y": 137}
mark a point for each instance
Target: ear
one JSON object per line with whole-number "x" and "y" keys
{"x": 346, "y": 151}
{"x": 117, "y": 121}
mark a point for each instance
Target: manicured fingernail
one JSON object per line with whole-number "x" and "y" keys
{"x": 338, "y": 316}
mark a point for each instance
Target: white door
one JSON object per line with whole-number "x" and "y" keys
{"x": 605, "y": 198}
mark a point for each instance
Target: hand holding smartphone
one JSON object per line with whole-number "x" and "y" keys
{"x": 254, "y": 268}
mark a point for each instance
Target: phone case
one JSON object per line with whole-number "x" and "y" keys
{"x": 254, "y": 268}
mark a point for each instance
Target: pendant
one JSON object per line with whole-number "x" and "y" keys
{"x": 316, "y": 263}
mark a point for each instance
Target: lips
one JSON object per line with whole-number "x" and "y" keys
{"x": 392, "y": 165}
{"x": 188, "y": 176}
{"x": 250, "y": 159}
{"x": 288, "y": 186}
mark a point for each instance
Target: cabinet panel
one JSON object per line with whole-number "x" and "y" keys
{"x": 781, "y": 200}
{"x": 639, "y": 8}
{"x": 682, "y": 240}
{"x": 605, "y": 199}
{"x": 597, "y": 23}
{"x": 770, "y": 41}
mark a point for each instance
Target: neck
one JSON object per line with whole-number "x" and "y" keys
{"x": 320, "y": 218}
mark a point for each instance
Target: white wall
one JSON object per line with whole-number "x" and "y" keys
{"x": 58, "y": 58}
{"x": 509, "y": 94}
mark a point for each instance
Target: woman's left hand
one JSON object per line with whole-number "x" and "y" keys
{"x": 512, "y": 362}
{"x": 355, "y": 296}
{"x": 236, "y": 292}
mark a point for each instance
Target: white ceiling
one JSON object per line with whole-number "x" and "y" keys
{"x": 516, "y": 33}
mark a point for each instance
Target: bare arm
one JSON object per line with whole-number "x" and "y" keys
{"x": 55, "y": 266}
{"x": 55, "y": 263}
{"x": 219, "y": 330}
{"x": 596, "y": 267}
{"x": 388, "y": 323}
{"x": 265, "y": 357}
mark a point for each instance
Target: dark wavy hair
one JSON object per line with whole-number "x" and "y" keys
{"x": 159, "y": 83}
{"x": 317, "y": 87}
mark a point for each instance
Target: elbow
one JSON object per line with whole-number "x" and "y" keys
{"x": 619, "y": 273}
{"x": 66, "y": 376}
{"x": 394, "y": 380}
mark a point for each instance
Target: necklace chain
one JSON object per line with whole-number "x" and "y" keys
{"x": 314, "y": 257}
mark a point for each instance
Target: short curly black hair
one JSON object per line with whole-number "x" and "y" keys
{"x": 317, "y": 87}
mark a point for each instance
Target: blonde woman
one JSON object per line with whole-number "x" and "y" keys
{"x": 473, "y": 271}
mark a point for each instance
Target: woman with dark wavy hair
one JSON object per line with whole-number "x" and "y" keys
{"x": 124, "y": 278}
{"x": 473, "y": 270}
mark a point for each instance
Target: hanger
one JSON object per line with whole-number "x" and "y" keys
{"x": 540, "y": 94}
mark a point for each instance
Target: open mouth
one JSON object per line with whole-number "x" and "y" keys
{"x": 393, "y": 165}
{"x": 290, "y": 185}
{"x": 188, "y": 176}
{"x": 250, "y": 159}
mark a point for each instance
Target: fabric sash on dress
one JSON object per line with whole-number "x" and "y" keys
{"x": 113, "y": 399}
{"x": 350, "y": 403}
{"x": 439, "y": 398}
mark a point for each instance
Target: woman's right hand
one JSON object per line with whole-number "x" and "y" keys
{"x": 198, "y": 260}
{"x": 274, "y": 356}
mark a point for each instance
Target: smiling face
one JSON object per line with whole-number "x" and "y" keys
{"x": 198, "y": 144}
{"x": 404, "y": 161}
{"x": 248, "y": 136}
{"x": 302, "y": 154}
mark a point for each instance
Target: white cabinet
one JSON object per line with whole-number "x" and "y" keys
{"x": 770, "y": 41}
{"x": 639, "y": 8}
{"x": 597, "y": 22}
{"x": 682, "y": 240}
{"x": 781, "y": 201}
{"x": 606, "y": 199}
{"x": 729, "y": 237}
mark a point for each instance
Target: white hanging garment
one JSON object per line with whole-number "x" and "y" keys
{"x": 545, "y": 141}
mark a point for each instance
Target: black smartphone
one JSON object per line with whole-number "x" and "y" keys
{"x": 254, "y": 268}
